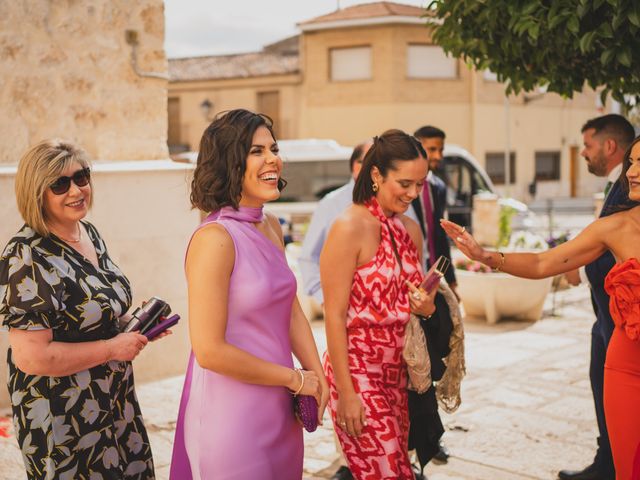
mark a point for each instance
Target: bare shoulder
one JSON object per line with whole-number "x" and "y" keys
{"x": 618, "y": 220}
{"x": 211, "y": 242}
{"x": 352, "y": 221}
{"x": 614, "y": 227}
{"x": 626, "y": 219}
{"x": 411, "y": 225}
{"x": 213, "y": 233}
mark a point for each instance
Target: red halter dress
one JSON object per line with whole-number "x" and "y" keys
{"x": 622, "y": 369}
{"x": 376, "y": 319}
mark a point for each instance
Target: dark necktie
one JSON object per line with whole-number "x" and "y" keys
{"x": 428, "y": 217}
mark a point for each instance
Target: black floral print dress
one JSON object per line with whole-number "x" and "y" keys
{"x": 87, "y": 425}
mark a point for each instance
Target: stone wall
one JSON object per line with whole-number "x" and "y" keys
{"x": 142, "y": 211}
{"x": 66, "y": 71}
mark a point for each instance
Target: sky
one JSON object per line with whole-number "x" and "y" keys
{"x": 218, "y": 27}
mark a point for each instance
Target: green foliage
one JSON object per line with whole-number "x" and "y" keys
{"x": 561, "y": 44}
{"x": 504, "y": 226}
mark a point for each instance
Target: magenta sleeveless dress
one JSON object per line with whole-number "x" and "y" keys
{"x": 227, "y": 429}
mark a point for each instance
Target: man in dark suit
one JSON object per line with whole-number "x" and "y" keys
{"x": 606, "y": 139}
{"x": 429, "y": 208}
{"x": 434, "y": 198}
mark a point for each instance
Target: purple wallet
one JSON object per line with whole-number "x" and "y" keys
{"x": 161, "y": 327}
{"x": 306, "y": 409}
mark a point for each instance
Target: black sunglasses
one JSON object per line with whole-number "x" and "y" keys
{"x": 80, "y": 178}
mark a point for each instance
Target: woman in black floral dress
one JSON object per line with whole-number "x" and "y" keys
{"x": 71, "y": 383}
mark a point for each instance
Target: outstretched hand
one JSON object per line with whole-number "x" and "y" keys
{"x": 463, "y": 240}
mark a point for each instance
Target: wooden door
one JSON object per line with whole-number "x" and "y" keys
{"x": 173, "y": 134}
{"x": 574, "y": 171}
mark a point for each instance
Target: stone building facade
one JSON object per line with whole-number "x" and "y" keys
{"x": 66, "y": 71}
{"x": 358, "y": 71}
{"x": 96, "y": 73}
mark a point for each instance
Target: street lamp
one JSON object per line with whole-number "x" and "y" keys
{"x": 206, "y": 107}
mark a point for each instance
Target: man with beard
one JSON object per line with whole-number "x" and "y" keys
{"x": 606, "y": 139}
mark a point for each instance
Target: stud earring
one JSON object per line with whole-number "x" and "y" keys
{"x": 374, "y": 186}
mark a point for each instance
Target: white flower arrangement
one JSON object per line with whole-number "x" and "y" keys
{"x": 523, "y": 241}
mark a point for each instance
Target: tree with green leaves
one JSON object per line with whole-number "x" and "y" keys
{"x": 560, "y": 44}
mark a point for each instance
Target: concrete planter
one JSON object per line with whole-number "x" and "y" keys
{"x": 499, "y": 295}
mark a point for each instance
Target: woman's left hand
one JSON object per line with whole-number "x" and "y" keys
{"x": 421, "y": 302}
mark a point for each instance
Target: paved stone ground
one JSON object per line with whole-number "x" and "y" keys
{"x": 526, "y": 413}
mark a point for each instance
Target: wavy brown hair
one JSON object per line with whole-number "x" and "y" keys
{"x": 222, "y": 159}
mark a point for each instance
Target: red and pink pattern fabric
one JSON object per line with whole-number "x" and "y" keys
{"x": 376, "y": 319}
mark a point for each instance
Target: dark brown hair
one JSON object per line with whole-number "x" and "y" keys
{"x": 624, "y": 184}
{"x": 612, "y": 126}
{"x": 429, "y": 131}
{"x": 358, "y": 153}
{"x": 391, "y": 146}
{"x": 222, "y": 159}
{"x": 624, "y": 181}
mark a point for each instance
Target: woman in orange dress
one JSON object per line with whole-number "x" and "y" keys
{"x": 619, "y": 233}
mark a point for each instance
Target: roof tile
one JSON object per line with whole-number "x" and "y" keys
{"x": 369, "y": 10}
{"x": 245, "y": 65}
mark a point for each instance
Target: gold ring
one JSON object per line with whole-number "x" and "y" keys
{"x": 342, "y": 424}
{"x": 416, "y": 295}
{"x": 464, "y": 229}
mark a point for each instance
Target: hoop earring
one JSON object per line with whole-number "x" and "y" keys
{"x": 374, "y": 187}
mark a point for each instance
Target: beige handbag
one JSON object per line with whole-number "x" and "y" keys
{"x": 448, "y": 388}
{"x": 415, "y": 354}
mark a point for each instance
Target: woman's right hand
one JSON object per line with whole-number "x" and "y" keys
{"x": 463, "y": 240}
{"x": 311, "y": 385}
{"x": 350, "y": 414}
{"x": 124, "y": 347}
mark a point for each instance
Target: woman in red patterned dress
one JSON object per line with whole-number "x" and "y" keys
{"x": 369, "y": 267}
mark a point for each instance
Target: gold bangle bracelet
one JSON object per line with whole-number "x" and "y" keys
{"x": 299, "y": 370}
{"x": 499, "y": 267}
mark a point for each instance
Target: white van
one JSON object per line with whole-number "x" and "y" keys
{"x": 313, "y": 168}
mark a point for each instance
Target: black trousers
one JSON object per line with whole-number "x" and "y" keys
{"x": 600, "y": 336}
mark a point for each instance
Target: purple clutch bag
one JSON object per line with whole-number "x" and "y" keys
{"x": 306, "y": 409}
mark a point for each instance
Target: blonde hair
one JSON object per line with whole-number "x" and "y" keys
{"x": 38, "y": 168}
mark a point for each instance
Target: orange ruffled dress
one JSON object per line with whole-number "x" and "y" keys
{"x": 622, "y": 369}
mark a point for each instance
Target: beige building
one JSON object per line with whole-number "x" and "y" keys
{"x": 358, "y": 71}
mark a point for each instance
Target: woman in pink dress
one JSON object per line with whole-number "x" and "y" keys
{"x": 236, "y": 418}
{"x": 369, "y": 267}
